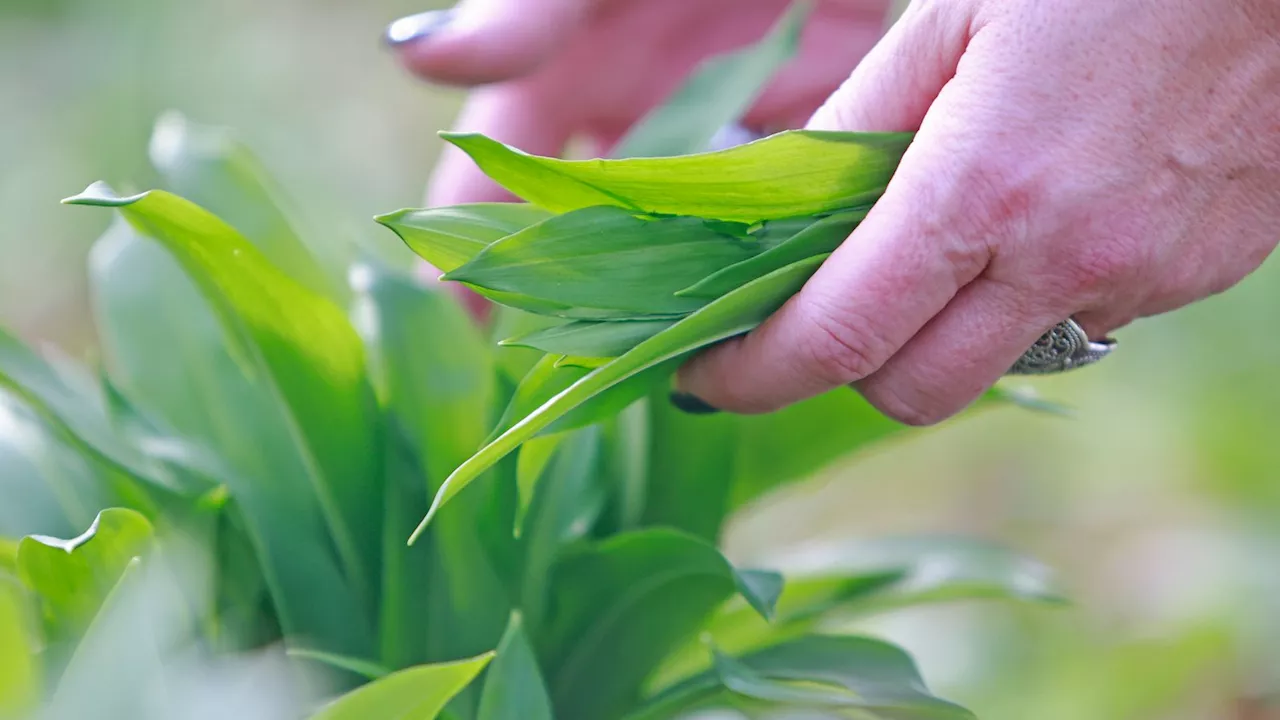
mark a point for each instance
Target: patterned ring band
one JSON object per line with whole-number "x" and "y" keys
{"x": 1064, "y": 347}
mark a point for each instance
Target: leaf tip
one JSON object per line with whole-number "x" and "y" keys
{"x": 100, "y": 194}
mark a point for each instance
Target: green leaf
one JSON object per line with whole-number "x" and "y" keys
{"x": 20, "y": 676}
{"x": 364, "y": 668}
{"x": 513, "y": 687}
{"x": 720, "y": 90}
{"x": 8, "y": 556}
{"x": 166, "y": 350}
{"x": 644, "y": 591}
{"x": 72, "y": 577}
{"x": 819, "y": 238}
{"x": 299, "y": 340}
{"x": 436, "y": 376}
{"x": 833, "y": 673}
{"x": 603, "y": 258}
{"x": 210, "y": 167}
{"x": 793, "y": 173}
{"x": 733, "y": 314}
{"x": 585, "y": 338}
{"x": 419, "y": 693}
{"x": 449, "y": 237}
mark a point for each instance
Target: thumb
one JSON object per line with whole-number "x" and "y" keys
{"x": 485, "y": 41}
{"x": 896, "y": 83}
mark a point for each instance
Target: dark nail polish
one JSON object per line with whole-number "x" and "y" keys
{"x": 415, "y": 27}
{"x": 691, "y": 404}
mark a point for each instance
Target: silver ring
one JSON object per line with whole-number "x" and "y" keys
{"x": 1065, "y": 347}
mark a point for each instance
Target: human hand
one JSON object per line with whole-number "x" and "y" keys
{"x": 1102, "y": 160}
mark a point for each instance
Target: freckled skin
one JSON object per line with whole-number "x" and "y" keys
{"x": 1102, "y": 160}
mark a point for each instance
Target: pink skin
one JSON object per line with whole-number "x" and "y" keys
{"x": 1102, "y": 160}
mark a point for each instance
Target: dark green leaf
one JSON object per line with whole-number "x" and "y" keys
{"x": 819, "y": 238}
{"x": 419, "y": 693}
{"x": 436, "y": 376}
{"x": 513, "y": 687}
{"x": 364, "y": 668}
{"x": 300, "y": 340}
{"x": 606, "y": 258}
{"x": 718, "y": 93}
{"x": 166, "y": 350}
{"x": 644, "y": 591}
{"x": 733, "y": 314}
{"x": 449, "y": 237}
{"x": 72, "y": 577}
{"x": 793, "y": 173}
{"x": 835, "y": 673}
{"x": 592, "y": 339}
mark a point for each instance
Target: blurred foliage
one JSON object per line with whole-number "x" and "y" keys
{"x": 1158, "y": 502}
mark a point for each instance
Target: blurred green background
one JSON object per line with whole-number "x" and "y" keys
{"x": 1159, "y": 501}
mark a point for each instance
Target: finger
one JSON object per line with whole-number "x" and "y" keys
{"x": 511, "y": 113}
{"x": 962, "y": 352}
{"x": 485, "y": 41}
{"x": 897, "y": 270}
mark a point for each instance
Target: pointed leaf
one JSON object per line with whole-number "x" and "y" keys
{"x": 73, "y": 576}
{"x": 585, "y": 338}
{"x": 720, "y": 90}
{"x": 733, "y": 314}
{"x": 513, "y": 687}
{"x": 644, "y": 591}
{"x": 604, "y": 258}
{"x": 793, "y": 173}
{"x": 449, "y": 237}
{"x": 299, "y": 339}
{"x": 419, "y": 693}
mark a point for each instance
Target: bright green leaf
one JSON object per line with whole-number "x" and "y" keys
{"x": 449, "y": 237}
{"x": 793, "y": 173}
{"x": 72, "y": 577}
{"x": 20, "y": 676}
{"x": 733, "y": 314}
{"x": 419, "y": 693}
{"x": 210, "y": 167}
{"x": 720, "y": 90}
{"x": 513, "y": 687}
{"x": 299, "y": 339}
{"x": 644, "y": 592}
{"x": 603, "y": 258}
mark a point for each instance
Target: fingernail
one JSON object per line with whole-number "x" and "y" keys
{"x": 692, "y": 404}
{"x": 415, "y": 27}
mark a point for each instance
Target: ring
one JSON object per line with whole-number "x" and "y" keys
{"x": 1065, "y": 347}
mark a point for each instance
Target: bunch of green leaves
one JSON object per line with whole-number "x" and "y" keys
{"x": 252, "y": 410}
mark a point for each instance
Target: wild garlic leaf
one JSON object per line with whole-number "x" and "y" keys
{"x": 448, "y": 237}
{"x": 606, "y": 257}
{"x": 821, "y": 237}
{"x": 792, "y": 173}
{"x": 718, "y": 93}
{"x": 584, "y": 338}
{"x": 733, "y": 314}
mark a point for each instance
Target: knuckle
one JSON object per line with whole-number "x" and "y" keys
{"x": 1095, "y": 269}
{"x": 841, "y": 347}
